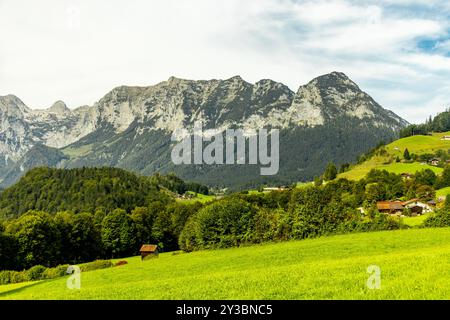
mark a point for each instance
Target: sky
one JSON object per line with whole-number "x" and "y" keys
{"x": 398, "y": 51}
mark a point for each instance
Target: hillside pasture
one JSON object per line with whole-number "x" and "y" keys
{"x": 414, "y": 264}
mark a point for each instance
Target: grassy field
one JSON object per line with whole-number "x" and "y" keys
{"x": 415, "y": 144}
{"x": 442, "y": 192}
{"x": 415, "y": 221}
{"x": 198, "y": 198}
{"x": 359, "y": 171}
{"x": 419, "y": 144}
{"x": 415, "y": 264}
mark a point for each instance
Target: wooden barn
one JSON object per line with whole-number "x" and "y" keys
{"x": 149, "y": 251}
{"x": 390, "y": 207}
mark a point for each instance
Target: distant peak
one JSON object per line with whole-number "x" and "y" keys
{"x": 11, "y": 98}
{"x": 236, "y": 77}
{"x": 339, "y": 74}
{"x": 11, "y": 101}
{"x": 172, "y": 78}
{"x": 59, "y": 107}
{"x": 335, "y": 75}
{"x": 334, "y": 78}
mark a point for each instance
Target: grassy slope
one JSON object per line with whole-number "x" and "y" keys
{"x": 199, "y": 198}
{"x": 443, "y": 192}
{"x": 415, "y": 144}
{"x": 415, "y": 221}
{"x": 419, "y": 144}
{"x": 415, "y": 264}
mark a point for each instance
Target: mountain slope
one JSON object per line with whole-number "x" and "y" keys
{"x": 424, "y": 147}
{"x": 77, "y": 190}
{"x": 328, "y": 119}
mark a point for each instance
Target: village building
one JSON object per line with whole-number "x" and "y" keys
{"x": 406, "y": 175}
{"x": 390, "y": 207}
{"x": 434, "y": 161}
{"x": 416, "y": 206}
{"x": 281, "y": 188}
{"x": 149, "y": 251}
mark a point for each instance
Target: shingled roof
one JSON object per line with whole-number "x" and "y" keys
{"x": 148, "y": 248}
{"x": 389, "y": 205}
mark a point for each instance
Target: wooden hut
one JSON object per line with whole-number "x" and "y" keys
{"x": 149, "y": 251}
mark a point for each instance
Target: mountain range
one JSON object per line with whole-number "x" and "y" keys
{"x": 328, "y": 119}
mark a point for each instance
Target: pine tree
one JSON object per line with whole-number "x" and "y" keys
{"x": 330, "y": 172}
{"x": 447, "y": 201}
{"x": 406, "y": 154}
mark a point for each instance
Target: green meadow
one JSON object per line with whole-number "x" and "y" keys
{"x": 414, "y": 144}
{"x": 360, "y": 171}
{"x": 442, "y": 192}
{"x": 419, "y": 144}
{"x": 198, "y": 197}
{"x": 414, "y": 264}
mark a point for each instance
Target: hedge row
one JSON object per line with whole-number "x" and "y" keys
{"x": 42, "y": 273}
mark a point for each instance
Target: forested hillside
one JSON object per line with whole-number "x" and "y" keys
{"x": 440, "y": 123}
{"x": 77, "y": 190}
{"x": 89, "y": 190}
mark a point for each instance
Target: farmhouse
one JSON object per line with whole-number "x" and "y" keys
{"x": 417, "y": 206}
{"x": 445, "y": 138}
{"x": 281, "y": 188}
{"x": 390, "y": 207}
{"x": 406, "y": 175}
{"x": 396, "y": 207}
{"x": 435, "y": 162}
{"x": 149, "y": 251}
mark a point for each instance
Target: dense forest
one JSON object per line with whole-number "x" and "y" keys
{"x": 440, "y": 123}
{"x": 52, "y": 232}
{"x": 88, "y": 190}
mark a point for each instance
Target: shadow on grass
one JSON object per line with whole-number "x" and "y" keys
{"x": 20, "y": 289}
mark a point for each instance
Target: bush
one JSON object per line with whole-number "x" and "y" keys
{"x": 120, "y": 263}
{"x": 5, "y": 277}
{"x": 19, "y": 276}
{"x": 35, "y": 273}
{"x": 219, "y": 225}
{"x": 95, "y": 265}
{"x": 440, "y": 218}
{"x": 56, "y": 272}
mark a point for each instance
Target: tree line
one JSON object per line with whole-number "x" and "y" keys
{"x": 88, "y": 190}
{"x": 42, "y": 237}
{"x": 440, "y": 123}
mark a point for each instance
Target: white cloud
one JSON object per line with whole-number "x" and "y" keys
{"x": 77, "y": 50}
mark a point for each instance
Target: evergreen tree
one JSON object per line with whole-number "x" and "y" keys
{"x": 447, "y": 201}
{"x": 119, "y": 234}
{"x": 406, "y": 154}
{"x": 318, "y": 181}
{"x": 330, "y": 172}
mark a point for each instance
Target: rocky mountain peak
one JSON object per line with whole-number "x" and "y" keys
{"x": 59, "y": 107}
{"x": 334, "y": 80}
{"x": 12, "y": 105}
{"x": 138, "y": 114}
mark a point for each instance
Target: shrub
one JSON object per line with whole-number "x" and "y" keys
{"x": 8, "y": 276}
{"x": 120, "y": 263}
{"x": 19, "y": 276}
{"x": 440, "y": 218}
{"x": 95, "y": 265}
{"x": 219, "y": 225}
{"x": 5, "y": 277}
{"x": 35, "y": 273}
{"x": 56, "y": 272}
